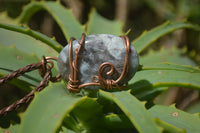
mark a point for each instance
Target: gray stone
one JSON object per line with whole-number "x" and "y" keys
{"x": 98, "y": 49}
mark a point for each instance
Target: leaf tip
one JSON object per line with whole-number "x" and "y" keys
{"x": 128, "y": 31}
{"x": 173, "y": 105}
{"x": 13, "y": 46}
{"x": 167, "y": 22}
{"x": 53, "y": 38}
{"x": 144, "y": 102}
{"x": 129, "y": 91}
{"x": 197, "y": 114}
{"x": 28, "y": 30}
{"x": 34, "y": 54}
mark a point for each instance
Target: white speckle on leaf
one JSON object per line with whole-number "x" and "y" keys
{"x": 175, "y": 114}
{"x": 159, "y": 72}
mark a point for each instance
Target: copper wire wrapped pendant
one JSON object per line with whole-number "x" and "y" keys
{"x": 98, "y": 61}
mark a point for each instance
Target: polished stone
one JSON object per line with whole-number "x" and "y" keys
{"x": 98, "y": 49}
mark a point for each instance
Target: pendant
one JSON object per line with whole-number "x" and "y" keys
{"x": 98, "y": 61}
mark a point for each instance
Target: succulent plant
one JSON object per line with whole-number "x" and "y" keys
{"x": 55, "y": 109}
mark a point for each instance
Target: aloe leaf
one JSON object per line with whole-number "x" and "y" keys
{"x": 168, "y": 127}
{"x": 133, "y": 109}
{"x": 65, "y": 130}
{"x": 100, "y": 25}
{"x": 81, "y": 117}
{"x": 147, "y": 38}
{"x": 167, "y": 76}
{"x": 149, "y": 94}
{"x": 64, "y": 18}
{"x": 194, "y": 108}
{"x": 28, "y": 40}
{"x": 171, "y": 66}
{"x": 13, "y": 59}
{"x": 116, "y": 121}
{"x": 160, "y": 61}
{"x": 176, "y": 117}
{"x": 173, "y": 55}
{"x": 47, "y": 110}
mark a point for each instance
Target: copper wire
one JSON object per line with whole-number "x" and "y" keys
{"x": 73, "y": 85}
{"x": 44, "y": 66}
{"x": 98, "y": 80}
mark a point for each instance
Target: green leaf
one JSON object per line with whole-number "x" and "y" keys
{"x": 47, "y": 110}
{"x": 133, "y": 109}
{"x": 176, "y": 117}
{"x": 116, "y": 121}
{"x": 159, "y": 61}
{"x": 168, "y": 127}
{"x": 65, "y": 130}
{"x": 149, "y": 94}
{"x": 194, "y": 108}
{"x": 28, "y": 40}
{"x": 13, "y": 59}
{"x": 147, "y": 38}
{"x": 171, "y": 66}
{"x": 173, "y": 55}
{"x": 81, "y": 117}
{"x": 99, "y": 25}
{"x": 64, "y": 18}
{"x": 165, "y": 76}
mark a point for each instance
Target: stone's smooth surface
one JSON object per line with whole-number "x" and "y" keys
{"x": 98, "y": 49}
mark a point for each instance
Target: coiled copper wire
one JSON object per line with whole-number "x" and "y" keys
{"x": 98, "y": 80}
